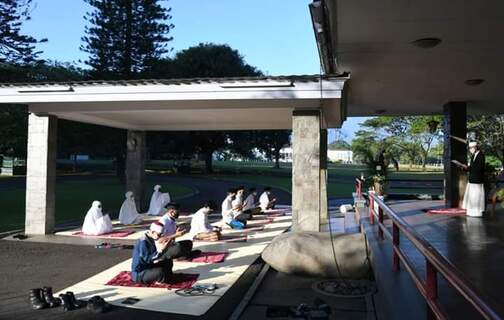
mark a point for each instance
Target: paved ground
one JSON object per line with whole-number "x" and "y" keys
{"x": 475, "y": 246}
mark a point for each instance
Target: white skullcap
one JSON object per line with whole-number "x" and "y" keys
{"x": 473, "y": 144}
{"x": 157, "y": 227}
{"x": 128, "y": 194}
{"x": 157, "y": 187}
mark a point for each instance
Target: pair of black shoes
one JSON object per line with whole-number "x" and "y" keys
{"x": 41, "y": 298}
{"x": 70, "y": 303}
{"x": 98, "y": 305}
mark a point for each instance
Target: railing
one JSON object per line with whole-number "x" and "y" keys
{"x": 435, "y": 263}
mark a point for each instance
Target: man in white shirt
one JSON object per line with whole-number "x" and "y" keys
{"x": 201, "y": 229}
{"x": 265, "y": 201}
{"x": 177, "y": 249}
{"x": 238, "y": 211}
{"x": 228, "y": 212}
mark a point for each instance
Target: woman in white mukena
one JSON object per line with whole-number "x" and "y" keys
{"x": 95, "y": 222}
{"x": 474, "y": 197}
{"x": 129, "y": 213}
{"x": 158, "y": 202}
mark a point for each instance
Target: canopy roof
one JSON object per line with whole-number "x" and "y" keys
{"x": 373, "y": 40}
{"x": 240, "y": 103}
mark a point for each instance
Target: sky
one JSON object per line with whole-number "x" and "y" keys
{"x": 274, "y": 36}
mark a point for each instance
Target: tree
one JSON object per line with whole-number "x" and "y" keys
{"x": 202, "y": 61}
{"x": 14, "y": 46}
{"x": 424, "y": 134}
{"x": 489, "y": 131}
{"x": 14, "y": 118}
{"x": 270, "y": 142}
{"x": 125, "y": 37}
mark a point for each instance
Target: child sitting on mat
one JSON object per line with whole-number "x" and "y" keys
{"x": 228, "y": 212}
{"x": 201, "y": 229}
{"x": 150, "y": 263}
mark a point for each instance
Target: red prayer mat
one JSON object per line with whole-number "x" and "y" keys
{"x": 177, "y": 281}
{"x": 113, "y": 234}
{"x": 275, "y": 211}
{"x": 253, "y": 228}
{"x": 455, "y": 211}
{"x": 208, "y": 257}
{"x": 228, "y": 238}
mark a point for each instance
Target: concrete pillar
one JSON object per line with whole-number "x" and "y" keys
{"x": 455, "y": 125}
{"x": 135, "y": 166}
{"x": 307, "y": 194}
{"x": 323, "y": 177}
{"x": 41, "y": 175}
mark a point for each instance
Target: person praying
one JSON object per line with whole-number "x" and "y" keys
{"x": 228, "y": 212}
{"x": 158, "y": 201}
{"x": 237, "y": 204}
{"x": 95, "y": 222}
{"x": 250, "y": 206}
{"x": 201, "y": 229}
{"x": 474, "y": 196}
{"x": 265, "y": 201}
{"x": 150, "y": 263}
{"x": 177, "y": 249}
{"x": 128, "y": 213}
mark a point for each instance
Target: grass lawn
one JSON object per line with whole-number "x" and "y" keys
{"x": 73, "y": 199}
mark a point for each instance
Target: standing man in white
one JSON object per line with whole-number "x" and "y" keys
{"x": 474, "y": 197}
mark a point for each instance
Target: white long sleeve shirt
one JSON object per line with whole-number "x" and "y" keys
{"x": 227, "y": 209}
{"x": 264, "y": 200}
{"x": 199, "y": 222}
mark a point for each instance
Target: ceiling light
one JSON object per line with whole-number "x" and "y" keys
{"x": 474, "y": 82}
{"x": 426, "y": 43}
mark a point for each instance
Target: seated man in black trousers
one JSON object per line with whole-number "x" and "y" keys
{"x": 176, "y": 249}
{"x": 151, "y": 263}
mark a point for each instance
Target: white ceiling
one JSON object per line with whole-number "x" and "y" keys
{"x": 371, "y": 40}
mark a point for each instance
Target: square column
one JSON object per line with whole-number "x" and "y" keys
{"x": 324, "y": 219}
{"x": 41, "y": 175}
{"x": 308, "y": 187}
{"x": 135, "y": 166}
{"x": 455, "y": 125}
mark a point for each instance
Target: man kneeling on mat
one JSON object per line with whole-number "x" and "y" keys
{"x": 176, "y": 249}
{"x": 201, "y": 229}
{"x": 150, "y": 262}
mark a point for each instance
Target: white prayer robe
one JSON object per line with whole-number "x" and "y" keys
{"x": 199, "y": 222}
{"x": 474, "y": 198}
{"x": 95, "y": 223}
{"x": 227, "y": 209}
{"x": 128, "y": 213}
{"x": 158, "y": 202}
{"x": 264, "y": 200}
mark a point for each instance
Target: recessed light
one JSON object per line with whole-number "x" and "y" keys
{"x": 426, "y": 43}
{"x": 380, "y": 111}
{"x": 474, "y": 82}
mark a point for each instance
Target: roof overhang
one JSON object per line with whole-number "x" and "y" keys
{"x": 373, "y": 40}
{"x": 185, "y": 104}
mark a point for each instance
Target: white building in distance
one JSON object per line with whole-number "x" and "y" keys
{"x": 343, "y": 156}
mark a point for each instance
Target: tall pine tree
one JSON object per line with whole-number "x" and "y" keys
{"x": 14, "y": 46}
{"x": 125, "y": 36}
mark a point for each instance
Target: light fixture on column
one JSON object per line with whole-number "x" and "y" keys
{"x": 426, "y": 43}
{"x": 474, "y": 82}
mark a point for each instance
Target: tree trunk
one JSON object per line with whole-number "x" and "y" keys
{"x": 74, "y": 163}
{"x": 120, "y": 166}
{"x": 208, "y": 162}
{"x": 277, "y": 158}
